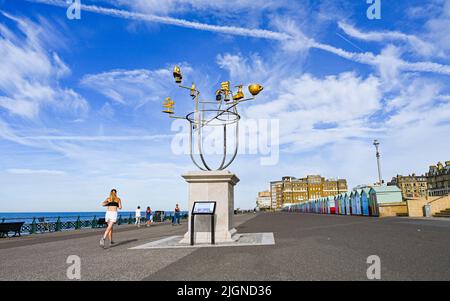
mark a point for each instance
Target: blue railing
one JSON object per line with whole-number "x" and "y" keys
{"x": 58, "y": 223}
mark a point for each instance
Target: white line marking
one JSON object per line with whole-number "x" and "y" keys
{"x": 262, "y": 239}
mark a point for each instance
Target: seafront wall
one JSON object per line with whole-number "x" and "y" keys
{"x": 437, "y": 204}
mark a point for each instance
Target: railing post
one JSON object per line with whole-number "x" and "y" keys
{"x": 78, "y": 223}
{"x": 120, "y": 220}
{"x": 129, "y": 220}
{"x": 33, "y": 226}
{"x": 58, "y": 224}
{"x": 94, "y": 222}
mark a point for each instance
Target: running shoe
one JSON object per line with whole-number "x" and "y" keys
{"x": 102, "y": 242}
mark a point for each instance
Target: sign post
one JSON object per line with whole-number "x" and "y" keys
{"x": 203, "y": 208}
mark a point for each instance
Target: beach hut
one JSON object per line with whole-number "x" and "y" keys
{"x": 326, "y": 208}
{"x": 331, "y": 206}
{"x": 342, "y": 204}
{"x": 357, "y": 200}
{"x": 353, "y": 203}
{"x": 336, "y": 204}
{"x": 364, "y": 202}
{"x": 347, "y": 204}
{"x": 383, "y": 195}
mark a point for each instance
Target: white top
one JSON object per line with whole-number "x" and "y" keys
{"x": 138, "y": 212}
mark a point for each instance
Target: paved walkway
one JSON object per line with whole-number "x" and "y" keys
{"x": 307, "y": 247}
{"x": 43, "y": 256}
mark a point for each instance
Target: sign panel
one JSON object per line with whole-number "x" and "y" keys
{"x": 204, "y": 207}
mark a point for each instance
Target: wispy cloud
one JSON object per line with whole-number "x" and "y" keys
{"x": 132, "y": 87}
{"x": 291, "y": 37}
{"x": 232, "y": 30}
{"x": 98, "y": 138}
{"x": 35, "y": 172}
{"x": 30, "y": 73}
{"x": 175, "y": 6}
{"x": 414, "y": 43}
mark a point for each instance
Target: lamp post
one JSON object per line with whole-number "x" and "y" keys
{"x": 377, "y": 144}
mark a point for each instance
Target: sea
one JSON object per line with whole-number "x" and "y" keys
{"x": 28, "y": 217}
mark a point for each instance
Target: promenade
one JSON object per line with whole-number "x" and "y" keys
{"x": 307, "y": 247}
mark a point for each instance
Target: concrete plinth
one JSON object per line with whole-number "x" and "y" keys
{"x": 215, "y": 186}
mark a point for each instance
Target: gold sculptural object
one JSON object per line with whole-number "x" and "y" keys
{"x": 225, "y": 87}
{"x": 219, "y": 95}
{"x": 193, "y": 90}
{"x": 177, "y": 74}
{"x": 168, "y": 105}
{"x": 254, "y": 89}
{"x": 239, "y": 94}
{"x": 221, "y": 112}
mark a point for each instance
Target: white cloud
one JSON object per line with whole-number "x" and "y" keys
{"x": 232, "y": 30}
{"x": 345, "y": 101}
{"x": 414, "y": 43}
{"x": 291, "y": 40}
{"x": 438, "y": 26}
{"x": 176, "y": 6}
{"x": 388, "y": 55}
{"x": 19, "y": 171}
{"x": 244, "y": 70}
{"x": 30, "y": 73}
{"x": 132, "y": 87}
{"x": 95, "y": 138}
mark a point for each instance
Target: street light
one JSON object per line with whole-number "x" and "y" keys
{"x": 377, "y": 144}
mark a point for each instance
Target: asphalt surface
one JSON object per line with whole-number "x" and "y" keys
{"x": 307, "y": 247}
{"x": 44, "y": 256}
{"x": 325, "y": 247}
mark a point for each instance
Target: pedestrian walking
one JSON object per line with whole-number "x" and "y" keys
{"x": 138, "y": 216}
{"x": 148, "y": 216}
{"x": 176, "y": 215}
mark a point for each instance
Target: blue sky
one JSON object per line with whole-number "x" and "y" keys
{"x": 80, "y": 100}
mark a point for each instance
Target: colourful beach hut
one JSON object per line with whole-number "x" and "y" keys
{"x": 383, "y": 195}
{"x": 331, "y": 207}
{"x": 342, "y": 204}
{"x": 353, "y": 203}
{"x": 364, "y": 203}
{"x": 347, "y": 204}
{"x": 357, "y": 200}
{"x": 336, "y": 204}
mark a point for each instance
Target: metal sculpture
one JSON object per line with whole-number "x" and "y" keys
{"x": 222, "y": 112}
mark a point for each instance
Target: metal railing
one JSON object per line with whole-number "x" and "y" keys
{"x": 39, "y": 225}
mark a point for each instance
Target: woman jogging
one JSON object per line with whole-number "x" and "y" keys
{"x": 112, "y": 204}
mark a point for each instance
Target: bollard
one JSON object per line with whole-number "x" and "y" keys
{"x": 33, "y": 226}
{"x": 78, "y": 223}
{"x": 94, "y": 222}
{"x": 130, "y": 220}
{"x": 119, "y": 222}
{"x": 58, "y": 224}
